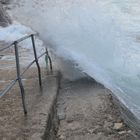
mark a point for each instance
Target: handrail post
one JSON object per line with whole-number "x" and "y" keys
{"x": 36, "y": 60}
{"x": 19, "y": 78}
{"x": 50, "y": 61}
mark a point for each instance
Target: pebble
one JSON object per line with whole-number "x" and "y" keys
{"x": 118, "y": 126}
{"x": 129, "y": 131}
{"x": 61, "y": 115}
{"x": 91, "y": 131}
{"x": 62, "y": 137}
{"x": 122, "y": 132}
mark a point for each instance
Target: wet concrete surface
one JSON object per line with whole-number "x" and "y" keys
{"x": 86, "y": 112}
{"x": 14, "y": 125}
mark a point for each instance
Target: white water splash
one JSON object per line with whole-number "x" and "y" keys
{"x": 102, "y": 36}
{"x": 13, "y": 33}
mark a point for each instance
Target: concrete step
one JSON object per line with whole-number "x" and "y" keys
{"x": 10, "y": 74}
{"x": 40, "y": 105}
{"x": 89, "y": 137}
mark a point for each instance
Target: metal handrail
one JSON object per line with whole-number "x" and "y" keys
{"x": 20, "y": 75}
{"x": 18, "y": 41}
{"x": 7, "y": 47}
{"x": 32, "y": 64}
{"x": 8, "y": 88}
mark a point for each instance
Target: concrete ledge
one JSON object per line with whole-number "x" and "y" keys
{"x": 43, "y": 113}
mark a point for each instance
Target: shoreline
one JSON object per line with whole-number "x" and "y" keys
{"x": 129, "y": 118}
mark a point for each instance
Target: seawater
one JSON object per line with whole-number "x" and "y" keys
{"x": 101, "y": 36}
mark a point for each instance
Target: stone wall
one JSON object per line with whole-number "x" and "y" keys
{"x": 4, "y": 18}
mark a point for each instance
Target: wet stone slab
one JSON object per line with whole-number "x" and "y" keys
{"x": 86, "y": 112}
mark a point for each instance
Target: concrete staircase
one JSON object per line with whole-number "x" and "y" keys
{"x": 39, "y": 121}
{"x": 40, "y": 106}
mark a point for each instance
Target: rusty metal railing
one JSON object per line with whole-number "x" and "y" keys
{"x": 19, "y": 74}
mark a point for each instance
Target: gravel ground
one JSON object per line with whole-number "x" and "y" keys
{"x": 86, "y": 112}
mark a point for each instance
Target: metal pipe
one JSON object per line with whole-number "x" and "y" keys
{"x": 6, "y": 47}
{"x": 18, "y": 41}
{"x": 8, "y": 88}
{"x": 36, "y": 60}
{"x": 19, "y": 78}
